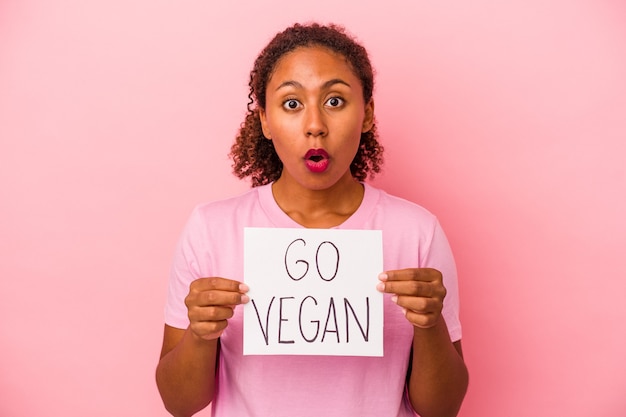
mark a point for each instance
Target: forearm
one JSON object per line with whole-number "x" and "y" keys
{"x": 186, "y": 375}
{"x": 439, "y": 377}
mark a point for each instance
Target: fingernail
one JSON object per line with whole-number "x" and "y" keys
{"x": 380, "y": 286}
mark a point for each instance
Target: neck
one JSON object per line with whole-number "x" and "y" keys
{"x": 324, "y": 208}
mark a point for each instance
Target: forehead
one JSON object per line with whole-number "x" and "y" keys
{"x": 308, "y": 61}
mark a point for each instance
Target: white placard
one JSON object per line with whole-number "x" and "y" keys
{"x": 313, "y": 292}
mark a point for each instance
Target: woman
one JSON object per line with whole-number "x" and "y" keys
{"x": 308, "y": 142}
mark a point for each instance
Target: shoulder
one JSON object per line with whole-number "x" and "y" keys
{"x": 399, "y": 208}
{"x": 222, "y": 210}
{"x": 216, "y": 224}
{"x": 215, "y": 218}
{"x": 244, "y": 199}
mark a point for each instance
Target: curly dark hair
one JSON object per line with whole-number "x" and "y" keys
{"x": 254, "y": 156}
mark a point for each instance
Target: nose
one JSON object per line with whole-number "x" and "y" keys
{"x": 315, "y": 123}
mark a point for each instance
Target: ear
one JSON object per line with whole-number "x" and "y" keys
{"x": 368, "y": 120}
{"x": 264, "y": 127}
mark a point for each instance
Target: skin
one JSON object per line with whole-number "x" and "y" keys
{"x": 314, "y": 100}
{"x": 329, "y": 113}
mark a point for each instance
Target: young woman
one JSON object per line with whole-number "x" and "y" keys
{"x": 308, "y": 142}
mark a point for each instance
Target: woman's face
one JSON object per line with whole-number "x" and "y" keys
{"x": 315, "y": 114}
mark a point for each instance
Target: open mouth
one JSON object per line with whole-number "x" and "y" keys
{"x": 316, "y": 155}
{"x": 316, "y": 160}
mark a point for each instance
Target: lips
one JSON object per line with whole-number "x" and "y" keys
{"x": 316, "y": 160}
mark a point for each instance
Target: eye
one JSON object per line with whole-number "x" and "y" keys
{"x": 334, "y": 102}
{"x": 291, "y": 104}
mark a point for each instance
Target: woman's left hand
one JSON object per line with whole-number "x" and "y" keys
{"x": 418, "y": 291}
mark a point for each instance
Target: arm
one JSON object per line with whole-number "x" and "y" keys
{"x": 185, "y": 374}
{"x": 185, "y": 371}
{"x": 438, "y": 378}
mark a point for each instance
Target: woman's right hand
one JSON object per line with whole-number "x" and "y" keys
{"x": 211, "y": 302}
{"x": 189, "y": 356}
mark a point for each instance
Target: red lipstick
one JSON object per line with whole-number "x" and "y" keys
{"x": 316, "y": 160}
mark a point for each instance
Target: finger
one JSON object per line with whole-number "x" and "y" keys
{"x": 419, "y": 305}
{"x": 208, "y": 314}
{"x": 218, "y": 283}
{"x": 411, "y": 274}
{"x": 209, "y": 330}
{"x": 411, "y": 288}
{"x": 423, "y": 321}
{"x": 203, "y": 299}
{"x": 220, "y": 298}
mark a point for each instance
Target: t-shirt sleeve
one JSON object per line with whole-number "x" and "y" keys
{"x": 186, "y": 267}
{"x": 439, "y": 256}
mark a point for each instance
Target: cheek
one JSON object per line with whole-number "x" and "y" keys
{"x": 282, "y": 150}
{"x": 278, "y": 124}
{"x": 349, "y": 148}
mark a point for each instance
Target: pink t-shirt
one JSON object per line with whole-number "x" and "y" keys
{"x": 276, "y": 386}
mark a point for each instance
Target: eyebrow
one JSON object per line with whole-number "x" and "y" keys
{"x": 326, "y": 85}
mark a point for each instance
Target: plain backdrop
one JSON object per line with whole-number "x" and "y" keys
{"x": 505, "y": 119}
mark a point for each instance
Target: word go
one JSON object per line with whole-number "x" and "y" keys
{"x": 326, "y": 260}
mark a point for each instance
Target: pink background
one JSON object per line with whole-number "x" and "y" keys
{"x": 506, "y": 119}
